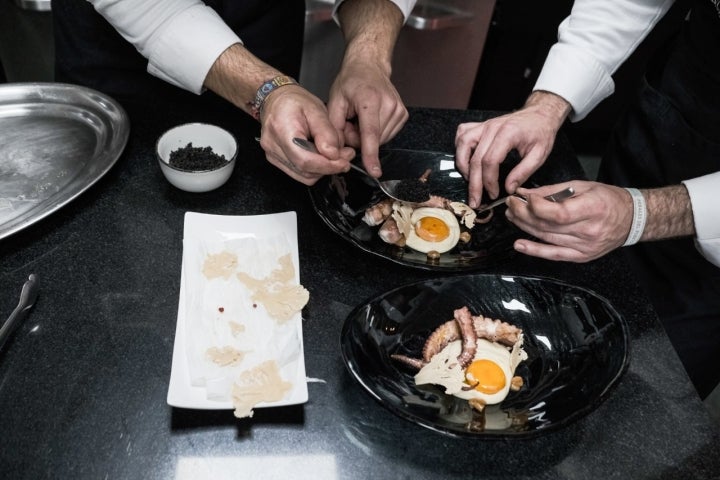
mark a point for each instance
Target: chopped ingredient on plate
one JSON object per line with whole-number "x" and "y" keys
{"x": 281, "y": 299}
{"x": 260, "y": 384}
{"x": 226, "y": 355}
{"x": 221, "y": 264}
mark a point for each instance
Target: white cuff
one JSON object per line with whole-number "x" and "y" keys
{"x": 706, "y": 214}
{"x": 186, "y": 49}
{"x": 405, "y": 6}
{"x": 576, "y": 77}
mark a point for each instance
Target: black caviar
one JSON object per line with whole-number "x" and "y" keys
{"x": 196, "y": 158}
{"x": 411, "y": 190}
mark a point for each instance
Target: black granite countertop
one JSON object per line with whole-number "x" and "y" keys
{"x": 83, "y": 381}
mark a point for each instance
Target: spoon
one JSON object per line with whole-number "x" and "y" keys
{"x": 553, "y": 197}
{"x": 388, "y": 187}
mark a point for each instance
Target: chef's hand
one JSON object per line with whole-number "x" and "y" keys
{"x": 482, "y": 147}
{"x": 596, "y": 220}
{"x": 363, "y": 102}
{"x": 290, "y": 112}
{"x": 364, "y": 92}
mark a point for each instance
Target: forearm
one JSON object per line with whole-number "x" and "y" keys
{"x": 551, "y": 106}
{"x": 180, "y": 38}
{"x": 237, "y": 74}
{"x": 669, "y": 213}
{"x": 370, "y": 28}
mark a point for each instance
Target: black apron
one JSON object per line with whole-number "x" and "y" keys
{"x": 89, "y": 52}
{"x": 672, "y": 133}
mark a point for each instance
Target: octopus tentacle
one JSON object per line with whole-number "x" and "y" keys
{"x": 415, "y": 363}
{"x": 496, "y": 330}
{"x": 439, "y": 339}
{"x": 469, "y": 387}
{"x": 468, "y": 328}
{"x": 488, "y": 216}
{"x": 464, "y": 319}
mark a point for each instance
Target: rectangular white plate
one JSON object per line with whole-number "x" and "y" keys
{"x": 222, "y": 228}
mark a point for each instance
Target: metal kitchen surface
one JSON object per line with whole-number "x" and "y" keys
{"x": 56, "y": 140}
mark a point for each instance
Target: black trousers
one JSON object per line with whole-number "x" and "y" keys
{"x": 89, "y": 52}
{"x": 661, "y": 140}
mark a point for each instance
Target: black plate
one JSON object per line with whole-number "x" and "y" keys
{"x": 341, "y": 200}
{"x": 577, "y": 346}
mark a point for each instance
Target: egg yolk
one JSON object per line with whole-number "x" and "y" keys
{"x": 489, "y": 376}
{"x": 432, "y": 229}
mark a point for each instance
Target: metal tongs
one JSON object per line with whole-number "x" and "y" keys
{"x": 553, "y": 197}
{"x": 28, "y": 295}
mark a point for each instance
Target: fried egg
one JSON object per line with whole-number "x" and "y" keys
{"x": 432, "y": 229}
{"x": 487, "y": 377}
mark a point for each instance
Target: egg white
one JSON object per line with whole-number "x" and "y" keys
{"x": 499, "y": 355}
{"x": 416, "y": 243}
{"x": 444, "y": 369}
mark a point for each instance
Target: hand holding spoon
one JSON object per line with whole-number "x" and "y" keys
{"x": 388, "y": 187}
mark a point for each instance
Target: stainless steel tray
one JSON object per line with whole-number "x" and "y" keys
{"x": 56, "y": 140}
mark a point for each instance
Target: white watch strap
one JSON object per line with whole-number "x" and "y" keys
{"x": 639, "y": 217}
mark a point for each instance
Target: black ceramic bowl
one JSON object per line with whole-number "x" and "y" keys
{"x": 577, "y": 346}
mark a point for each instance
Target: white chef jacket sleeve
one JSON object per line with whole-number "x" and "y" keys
{"x": 180, "y": 38}
{"x": 706, "y": 214}
{"x": 593, "y": 42}
{"x": 405, "y": 7}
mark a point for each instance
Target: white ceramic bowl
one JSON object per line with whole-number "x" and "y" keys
{"x": 220, "y": 140}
